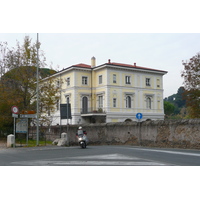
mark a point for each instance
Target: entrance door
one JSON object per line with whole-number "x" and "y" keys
{"x": 85, "y": 105}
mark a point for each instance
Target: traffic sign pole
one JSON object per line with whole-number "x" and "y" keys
{"x": 15, "y": 111}
{"x": 14, "y": 132}
{"x": 139, "y": 117}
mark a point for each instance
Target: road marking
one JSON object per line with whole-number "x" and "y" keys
{"x": 110, "y": 163}
{"x": 170, "y": 152}
{"x": 105, "y": 160}
{"x": 108, "y": 157}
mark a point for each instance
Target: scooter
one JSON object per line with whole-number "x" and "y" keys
{"x": 82, "y": 140}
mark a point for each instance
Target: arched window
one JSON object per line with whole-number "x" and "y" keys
{"x": 128, "y": 102}
{"x": 148, "y": 102}
{"x": 84, "y": 105}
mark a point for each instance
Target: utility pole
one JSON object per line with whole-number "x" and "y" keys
{"x": 37, "y": 90}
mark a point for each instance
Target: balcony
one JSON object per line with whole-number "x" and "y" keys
{"x": 92, "y": 112}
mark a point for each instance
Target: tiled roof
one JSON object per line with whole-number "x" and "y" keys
{"x": 116, "y": 64}
{"x": 82, "y": 65}
{"x": 133, "y": 66}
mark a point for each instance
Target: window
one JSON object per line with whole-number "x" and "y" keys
{"x": 100, "y": 101}
{"x": 128, "y": 80}
{"x": 148, "y": 83}
{"x": 148, "y": 102}
{"x": 68, "y": 81}
{"x": 114, "y": 102}
{"x": 100, "y": 79}
{"x": 84, "y": 105}
{"x": 158, "y": 83}
{"x": 128, "y": 102}
{"x": 84, "y": 80}
{"x": 114, "y": 78}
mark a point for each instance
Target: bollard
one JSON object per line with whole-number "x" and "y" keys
{"x": 64, "y": 136}
{"x": 63, "y": 141}
{"x": 10, "y": 140}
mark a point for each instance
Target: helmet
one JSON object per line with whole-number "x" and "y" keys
{"x": 80, "y": 127}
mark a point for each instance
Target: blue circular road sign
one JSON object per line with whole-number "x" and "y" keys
{"x": 139, "y": 115}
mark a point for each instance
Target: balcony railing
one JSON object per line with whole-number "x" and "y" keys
{"x": 92, "y": 111}
{"x": 104, "y": 111}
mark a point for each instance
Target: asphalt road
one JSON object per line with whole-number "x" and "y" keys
{"x": 98, "y": 156}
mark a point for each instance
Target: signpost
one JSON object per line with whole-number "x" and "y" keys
{"x": 15, "y": 112}
{"x": 28, "y": 115}
{"x": 23, "y": 123}
{"x": 65, "y": 113}
{"x": 21, "y": 126}
{"x": 139, "y": 117}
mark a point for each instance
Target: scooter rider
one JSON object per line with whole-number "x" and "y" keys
{"x": 81, "y": 132}
{"x": 82, "y": 138}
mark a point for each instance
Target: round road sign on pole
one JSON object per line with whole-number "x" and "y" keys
{"x": 139, "y": 115}
{"x": 15, "y": 110}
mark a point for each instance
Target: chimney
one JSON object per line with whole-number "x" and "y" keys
{"x": 134, "y": 64}
{"x": 93, "y": 62}
{"x": 108, "y": 60}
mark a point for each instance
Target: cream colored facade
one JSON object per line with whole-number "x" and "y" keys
{"x": 111, "y": 92}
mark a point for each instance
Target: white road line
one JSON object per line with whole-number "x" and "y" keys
{"x": 89, "y": 162}
{"x": 170, "y": 152}
{"x": 105, "y": 159}
{"x": 108, "y": 163}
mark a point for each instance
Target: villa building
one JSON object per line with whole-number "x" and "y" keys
{"x": 110, "y": 92}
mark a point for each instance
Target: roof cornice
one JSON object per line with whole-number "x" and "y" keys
{"x": 130, "y": 67}
{"x": 121, "y": 66}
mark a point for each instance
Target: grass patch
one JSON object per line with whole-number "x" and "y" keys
{"x": 32, "y": 143}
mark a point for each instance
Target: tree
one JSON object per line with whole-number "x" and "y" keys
{"x": 168, "y": 108}
{"x": 18, "y": 78}
{"x": 191, "y": 75}
{"x": 180, "y": 98}
{"x": 19, "y": 67}
{"x": 177, "y": 100}
{"x": 49, "y": 99}
{"x": 3, "y": 51}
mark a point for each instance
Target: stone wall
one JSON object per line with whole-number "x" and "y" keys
{"x": 167, "y": 133}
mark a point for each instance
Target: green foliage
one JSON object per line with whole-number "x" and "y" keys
{"x": 168, "y": 108}
{"x": 18, "y": 79}
{"x": 191, "y": 75}
{"x": 179, "y": 103}
{"x": 193, "y": 103}
{"x": 45, "y": 72}
{"x": 49, "y": 96}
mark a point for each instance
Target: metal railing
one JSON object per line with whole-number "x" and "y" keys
{"x": 91, "y": 110}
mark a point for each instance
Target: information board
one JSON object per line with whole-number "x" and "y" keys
{"x": 65, "y": 111}
{"x": 22, "y": 125}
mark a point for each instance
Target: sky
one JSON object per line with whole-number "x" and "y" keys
{"x": 163, "y": 51}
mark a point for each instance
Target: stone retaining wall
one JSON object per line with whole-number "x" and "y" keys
{"x": 167, "y": 133}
